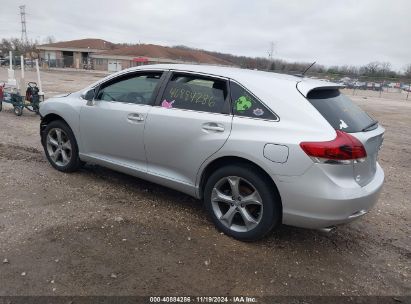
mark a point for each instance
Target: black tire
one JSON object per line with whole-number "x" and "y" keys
{"x": 74, "y": 163}
{"x": 271, "y": 202}
{"x": 18, "y": 111}
{"x": 1, "y": 105}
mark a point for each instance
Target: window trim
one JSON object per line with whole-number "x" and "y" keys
{"x": 118, "y": 78}
{"x": 256, "y": 98}
{"x": 171, "y": 73}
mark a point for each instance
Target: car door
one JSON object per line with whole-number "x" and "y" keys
{"x": 190, "y": 121}
{"x": 112, "y": 125}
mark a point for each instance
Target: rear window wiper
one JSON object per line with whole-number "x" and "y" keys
{"x": 369, "y": 126}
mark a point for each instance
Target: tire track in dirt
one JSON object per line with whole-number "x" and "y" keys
{"x": 22, "y": 153}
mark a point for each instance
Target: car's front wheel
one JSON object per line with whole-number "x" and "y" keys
{"x": 242, "y": 202}
{"x": 60, "y": 146}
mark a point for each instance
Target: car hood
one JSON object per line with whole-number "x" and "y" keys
{"x": 61, "y": 95}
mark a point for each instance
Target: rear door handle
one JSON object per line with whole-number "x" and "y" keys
{"x": 135, "y": 117}
{"x": 213, "y": 127}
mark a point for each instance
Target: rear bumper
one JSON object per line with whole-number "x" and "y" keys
{"x": 313, "y": 200}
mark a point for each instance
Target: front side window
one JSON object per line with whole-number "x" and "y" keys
{"x": 247, "y": 105}
{"x": 195, "y": 93}
{"x": 137, "y": 88}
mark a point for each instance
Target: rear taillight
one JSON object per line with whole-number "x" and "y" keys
{"x": 344, "y": 149}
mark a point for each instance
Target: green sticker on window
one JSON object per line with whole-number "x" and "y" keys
{"x": 243, "y": 103}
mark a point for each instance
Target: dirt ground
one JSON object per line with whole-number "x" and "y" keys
{"x": 98, "y": 232}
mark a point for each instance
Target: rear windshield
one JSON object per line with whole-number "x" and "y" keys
{"x": 340, "y": 111}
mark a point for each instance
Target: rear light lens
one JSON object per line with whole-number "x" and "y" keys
{"x": 344, "y": 149}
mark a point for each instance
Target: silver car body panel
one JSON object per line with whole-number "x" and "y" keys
{"x": 114, "y": 131}
{"x": 177, "y": 141}
{"x": 173, "y": 147}
{"x": 372, "y": 140}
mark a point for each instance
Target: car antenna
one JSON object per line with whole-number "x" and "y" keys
{"x": 305, "y": 71}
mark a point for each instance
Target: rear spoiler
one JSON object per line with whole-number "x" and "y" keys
{"x": 307, "y": 85}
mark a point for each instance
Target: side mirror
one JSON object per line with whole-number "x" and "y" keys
{"x": 89, "y": 96}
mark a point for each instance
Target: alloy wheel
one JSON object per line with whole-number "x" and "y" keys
{"x": 237, "y": 204}
{"x": 59, "y": 147}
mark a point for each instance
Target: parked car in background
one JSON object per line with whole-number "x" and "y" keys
{"x": 360, "y": 85}
{"x": 16, "y": 61}
{"x": 259, "y": 148}
{"x": 406, "y": 87}
{"x": 29, "y": 62}
{"x": 350, "y": 85}
{"x": 378, "y": 86}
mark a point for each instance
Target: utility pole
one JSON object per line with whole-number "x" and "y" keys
{"x": 24, "y": 39}
{"x": 270, "y": 55}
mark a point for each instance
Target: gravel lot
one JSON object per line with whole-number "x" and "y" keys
{"x": 98, "y": 232}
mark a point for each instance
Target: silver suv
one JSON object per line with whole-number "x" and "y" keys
{"x": 258, "y": 148}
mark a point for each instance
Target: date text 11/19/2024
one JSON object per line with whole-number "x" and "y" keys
{"x": 203, "y": 299}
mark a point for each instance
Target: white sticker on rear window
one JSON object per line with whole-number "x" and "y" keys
{"x": 343, "y": 125}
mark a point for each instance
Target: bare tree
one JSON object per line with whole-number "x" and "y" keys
{"x": 407, "y": 70}
{"x": 49, "y": 39}
{"x": 5, "y": 47}
{"x": 372, "y": 68}
{"x": 27, "y": 48}
{"x": 385, "y": 68}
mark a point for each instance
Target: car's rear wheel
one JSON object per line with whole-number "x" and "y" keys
{"x": 242, "y": 202}
{"x": 60, "y": 146}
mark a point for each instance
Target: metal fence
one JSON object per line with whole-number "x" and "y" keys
{"x": 391, "y": 88}
{"x": 402, "y": 93}
{"x": 68, "y": 62}
{"x": 386, "y": 92}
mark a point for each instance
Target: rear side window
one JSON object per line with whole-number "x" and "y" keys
{"x": 246, "y": 104}
{"x": 340, "y": 111}
{"x": 195, "y": 93}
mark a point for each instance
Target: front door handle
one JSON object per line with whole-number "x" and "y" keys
{"x": 213, "y": 127}
{"x": 135, "y": 117}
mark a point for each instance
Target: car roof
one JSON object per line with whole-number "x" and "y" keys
{"x": 245, "y": 76}
{"x": 252, "y": 79}
{"x": 222, "y": 71}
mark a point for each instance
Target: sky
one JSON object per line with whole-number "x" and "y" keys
{"x": 342, "y": 32}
